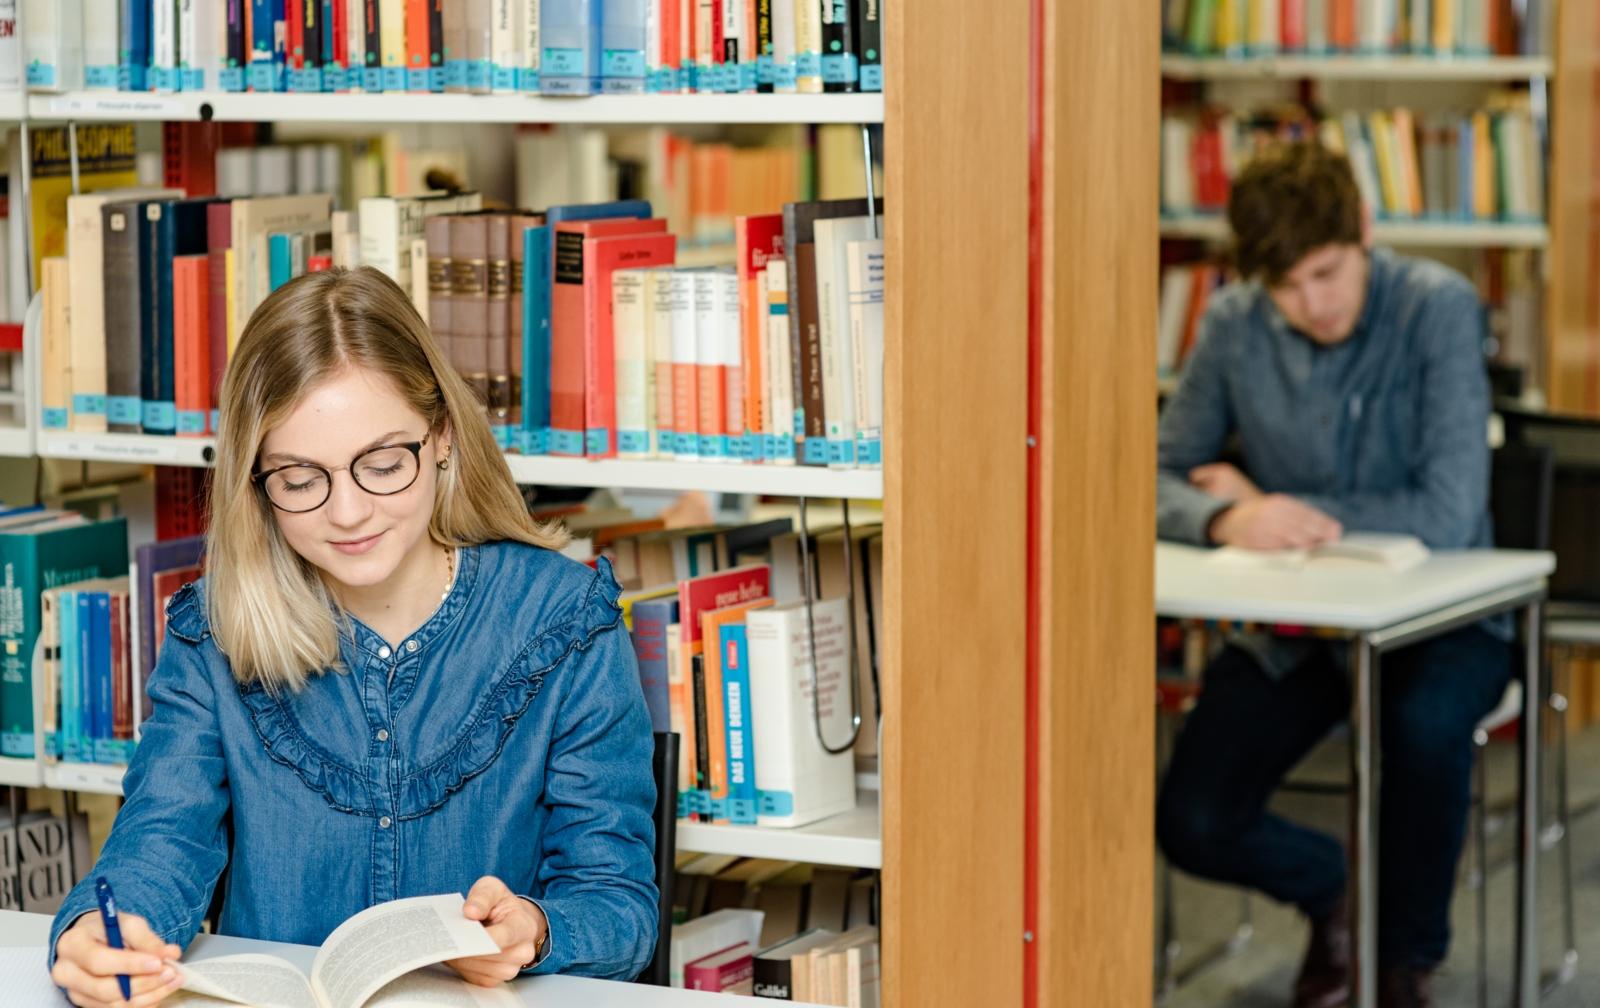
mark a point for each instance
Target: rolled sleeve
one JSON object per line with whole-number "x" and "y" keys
{"x": 1194, "y": 428}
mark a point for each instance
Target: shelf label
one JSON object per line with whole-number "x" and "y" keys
{"x": 135, "y": 449}
{"x": 164, "y": 108}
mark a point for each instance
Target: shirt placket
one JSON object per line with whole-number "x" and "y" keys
{"x": 382, "y": 767}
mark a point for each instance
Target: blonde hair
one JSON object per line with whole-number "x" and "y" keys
{"x": 268, "y": 607}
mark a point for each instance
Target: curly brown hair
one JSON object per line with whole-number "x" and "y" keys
{"x": 1291, "y": 199}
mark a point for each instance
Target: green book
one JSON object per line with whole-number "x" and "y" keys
{"x": 33, "y": 559}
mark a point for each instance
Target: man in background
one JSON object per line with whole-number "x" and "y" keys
{"x": 1351, "y": 383}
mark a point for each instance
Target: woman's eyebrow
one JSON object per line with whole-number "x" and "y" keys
{"x": 376, "y": 442}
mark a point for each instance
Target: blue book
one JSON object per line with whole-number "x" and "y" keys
{"x": 332, "y": 69}
{"x": 569, "y": 40}
{"x": 99, "y": 663}
{"x": 133, "y": 67}
{"x": 70, "y": 683}
{"x": 280, "y": 259}
{"x": 88, "y": 695}
{"x": 742, "y": 795}
{"x": 651, "y": 617}
{"x": 534, "y": 438}
{"x": 1465, "y": 180}
{"x": 178, "y": 227}
{"x": 267, "y": 40}
{"x": 622, "y": 41}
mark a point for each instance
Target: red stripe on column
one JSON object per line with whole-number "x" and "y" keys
{"x": 1030, "y": 826}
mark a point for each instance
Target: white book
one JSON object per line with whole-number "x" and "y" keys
{"x": 630, "y": 322}
{"x": 783, "y": 46}
{"x": 733, "y": 40}
{"x": 1177, "y": 286}
{"x": 52, "y": 44}
{"x": 833, "y": 323}
{"x": 505, "y": 45}
{"x": 1419, "y": 28}
{"x": 709, "y": 382}
{"x": 1472, "y": 31}
{"x": 1373, "y": 22}
{"x": 235, "y": 172}
{"x": 665, "y": 302}
{"x": 780, "y": 377}
{"x": 1316, "y": 27}
{"x": 342, "y": 226}
{"x": 100, "y": 44}
{"x": 730, "y": 357}
{"x": 654, "y": 58}
{"x": 1379, "y": 551}
{"x": 685, "y": 374}
{"x": 1268, "y": 34}
{"x": 202, "y": 45}
{"x": 272, "y": 174}
{"x": 799, "y": 781}
{"x": 1177, "y": 175}
{"x": 355, "y": 34}
{"x": 808, "y": 46}
{"x": 529, "y": 19}
{"x": 308, "y": 169}
{"x": 164, "y": 45}
{"x": 864, "y": 294}
{"x": 1359, "y": 151}
{"x": 388, "y": 226}
{"x": 419, "y": 277}
{"x": 11, "y": 47}
{"x": 392, "y": 43}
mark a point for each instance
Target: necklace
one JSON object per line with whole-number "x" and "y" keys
{"x": 450, "y": 578}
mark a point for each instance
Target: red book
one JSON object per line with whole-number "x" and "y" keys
{"x": 1342, "y": 25}
{"x": 318, "y": 263}
{"x": 191, "y": 342}
{"x": 756, "y": 239}
{"x": 294, "y": 31}
{"x": 718, "y": 39}
{"x": 730, "y": 971}
{"x": 219, "y": 236}
{"x": 602, "y": 258}
{"x": 417, "y": 46}
{"x": 568, "y": 382}
{"x": 121, "y": 676}
{"x": 341, "y": 43}
{"x": 1292, "y": 25}
{"x": 1211, "y": 179}
{"x": 671, "y": 33}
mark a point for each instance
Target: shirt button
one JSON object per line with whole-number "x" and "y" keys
{"x": 383, "y": 734}
{"x": 411, "y": 645}
{"x": 383, "y": 652}
{"x": 384, "y": 822}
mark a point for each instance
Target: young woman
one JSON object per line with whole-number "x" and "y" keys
{"x": 387, "y": 684}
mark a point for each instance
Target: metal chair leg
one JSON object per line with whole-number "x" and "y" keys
{"x": 1480, "y": 835}
{"x": 1568, "y": 967}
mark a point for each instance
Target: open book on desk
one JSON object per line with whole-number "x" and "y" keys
{"x": 372, "y": 960}
{"x": 1372, "y": 550}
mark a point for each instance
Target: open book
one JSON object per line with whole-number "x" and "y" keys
{"x": 370, "y": 961}
{"x": 1375, "y": 550}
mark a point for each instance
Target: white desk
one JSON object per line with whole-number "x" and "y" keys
{"x": 1378, "y": 611}
{"x": 544, "y": 991}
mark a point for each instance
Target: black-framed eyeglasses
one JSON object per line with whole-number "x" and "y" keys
{"x": 306, "y": 486}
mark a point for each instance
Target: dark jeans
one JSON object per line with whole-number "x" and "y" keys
{"x": 1249, "y": 729}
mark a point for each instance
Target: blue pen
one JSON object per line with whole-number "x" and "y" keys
{"x": 108, "y": 915}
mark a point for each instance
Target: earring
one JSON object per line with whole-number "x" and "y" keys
{"x": 444, "y": 463}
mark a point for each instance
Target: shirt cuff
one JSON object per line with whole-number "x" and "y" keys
{"x": 547, "y": 944}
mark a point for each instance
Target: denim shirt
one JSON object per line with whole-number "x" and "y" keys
{"x": 1386, "y": 431}
{"x": 507, "y": 736}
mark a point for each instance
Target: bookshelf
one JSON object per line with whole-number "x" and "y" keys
{"x": 664, "y": 109}
{"x": 851, "y": 839}
{"x": 1413, "y": 234}
{"x": 1361, "y": 68}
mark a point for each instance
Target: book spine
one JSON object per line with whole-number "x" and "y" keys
{"x": 86, "y": 324}
{"x": 236, "y": 50}
{"x": 536, "y": 288}
{"x": 372, "y": 46}
{"x": 569, "y": 33}
{"x": 192, "y": 343}
{"x": 416, "y": 42}
{"x": 808, "y": 45}
{"x": 870, "y": 41}
{"x": 122, "y": 319}
{"x": 865, "y": 295}
{"x": 496, "y": 339}
{"x": 121, "y": 679}
{"x": 455, "y": 46}
{"x": 840, "y": 61}
{"x": 480, "y": 46}
{"x": 567, "y": 347}
{"x": 50, "y": 636}
{"x": 811, "y": 435}
{"x": 622, "y": 46}
{"x": 469, "y": 271}
{"x": 528, "y": 75}
{"x": 506, "y": 56}
{"x": 164, "y": 46}
{"x": 665, "y": 306}
{"x": 710, "y": 381}
{"x": 736, "y": 705}
{"x": 218, "y": 234}
{"x": 780, "y": 376}
{"x": 55, "y": 349}
{"x": 268, "y": 38}
{"x": 100, "y": 44}
{"x": 392, "y": 44}
{"x": 96, "y": 672}
{"x": 516, "y": 318}
{"x": 629, "y": 320}
{"x": 700, "y": 799}
{"x": 651, "y": 617}
{"x": 731, "y": 359}
{"x": 355, "y": 46}
{"x": 436, "y": 59}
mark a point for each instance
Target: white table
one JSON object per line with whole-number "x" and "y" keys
{"x": 19, "y": 929}
{"x": 1379, "y": 611}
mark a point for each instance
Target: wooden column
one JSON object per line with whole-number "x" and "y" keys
{"x": 956, "y": 189}
{"x": 1100, "y": 161}
{"x": 1573, "y": 303}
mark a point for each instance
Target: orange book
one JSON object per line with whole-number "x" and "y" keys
{"x": 756, "y": 239}
{"x": 711, "y": 625}
{"x": 1409, "y": 167}
{"x": 191, "y": 342}
{"x": 417, "y": 46}
{"x": 1205, "y": 278}
{"x": 568, "y": 325}
{"x": 1342, "y": 25}
{"x": 602, "y": 258}
{"x": 1484, "y": 205}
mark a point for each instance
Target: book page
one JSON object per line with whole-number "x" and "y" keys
{"x": 382, "y": 942}
{"x": 261, "y": 980}
{"x": 439, "y": 987}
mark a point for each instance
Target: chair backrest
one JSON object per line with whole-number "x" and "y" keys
{"x": 1521, "y": 486}
{"x": 665, "y": 767}
{"x": 1574, "y": 534}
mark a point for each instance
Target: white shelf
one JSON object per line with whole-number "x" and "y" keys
{"x": 122, "y": 106}
{"x": 138, "y": 449}
{"x": 16, "y": 442}
{"x": 853, "y": 839}
{"x": 16, "y": 772}
{"x": 95, "y": 778}
{"x": 1407, "y": 68}
{"x": 13, "y": 106}
{"x": 1418, "y": 234}
{"x": 781, "y": 481}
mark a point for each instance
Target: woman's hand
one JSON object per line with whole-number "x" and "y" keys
{"x": 515, "y": 924}
{"x": 88, "y": 967}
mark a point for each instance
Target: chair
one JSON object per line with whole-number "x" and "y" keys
{"x": 665, "y": 767}
{"x": 1522, "y": 481}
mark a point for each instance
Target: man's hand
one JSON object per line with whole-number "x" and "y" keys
{"x": 1273, "y": 522}
{"x": 88, "y": 967}
{"x": 515, "y": 924}
{"x": 1223, "y": 481}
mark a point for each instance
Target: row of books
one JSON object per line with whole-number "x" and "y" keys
{"x": 727, "y": 951}
{"x": 725, "y": 658}
{"x": 1440, "y": 28}
{"x": 1487, "y": 165}
{"x": 553, "y": 47}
